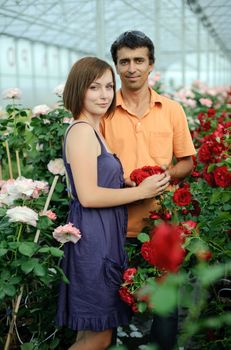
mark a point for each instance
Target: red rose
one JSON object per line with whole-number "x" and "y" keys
{"x": 138, "y": 176}
{"x": 185, "y": 211}
{"x": 211, "y": 112}
{"x": 154, "y": 215}
{"x": 204, "y": 255}
{"x": 126, "y": 296}
{"x": 146, "y": 251}
{"x": 204, "y": 154}
{"x": 134, "y": 308}
{"x": 209, "y": 177}
{"x": 188, "y": 226}
{"x": 168, "y": 216}
{"x": 129, "y": 274}
{"x": 196, "y": 208}
{"x": 153, "y": 170}
{"x": 182, "y": 196}
{"x": 167, "y": 250}
{"x": 222, "y": 176}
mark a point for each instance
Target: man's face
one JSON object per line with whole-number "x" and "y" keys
{"x": 133, "y": 67}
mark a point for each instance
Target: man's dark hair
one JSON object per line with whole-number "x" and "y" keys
{"x": 133, "y": 39}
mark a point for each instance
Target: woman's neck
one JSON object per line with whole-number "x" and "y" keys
{"x": 93, "y": 121}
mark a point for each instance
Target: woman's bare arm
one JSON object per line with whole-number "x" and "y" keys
{"x": 83, "y": 148}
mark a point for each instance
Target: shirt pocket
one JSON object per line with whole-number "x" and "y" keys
{"x": 161, "y": 144}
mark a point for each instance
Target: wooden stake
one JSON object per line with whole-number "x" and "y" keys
{"x": 11, "y": 328}
{"x": 18, "y": 163}
{"x": 9, "y": 160}
{"x": 0, "y": 170}
{"x": 47, "y": 203}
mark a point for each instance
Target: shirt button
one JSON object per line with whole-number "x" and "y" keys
{"x": 138, "y": 126}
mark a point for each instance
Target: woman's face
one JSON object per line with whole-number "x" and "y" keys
{"x": 99, "y": 95}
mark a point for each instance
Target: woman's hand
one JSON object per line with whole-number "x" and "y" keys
{"x": 154, "y": 185}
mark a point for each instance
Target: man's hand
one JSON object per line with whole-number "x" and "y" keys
{"x": 181, "y": 169}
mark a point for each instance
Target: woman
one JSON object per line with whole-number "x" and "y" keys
{"x": 90, "y": 303}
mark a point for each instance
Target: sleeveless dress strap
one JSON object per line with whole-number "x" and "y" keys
{"x": 103, "y": 148}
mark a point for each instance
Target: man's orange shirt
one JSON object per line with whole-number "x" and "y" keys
{"x": 153, "y": 139}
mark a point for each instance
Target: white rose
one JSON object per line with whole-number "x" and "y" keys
{"x": 6, "y": 200}
{"x": 58, "y": 90}
{"x": 56, "y": 166}
{"x": 40, "y": 109}
{"x": 22, "y": 214}
{"x": 22, "y": 186}
{"x": 12, "y": 93}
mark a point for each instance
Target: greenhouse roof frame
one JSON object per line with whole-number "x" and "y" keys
{"x": 90, "y": 26}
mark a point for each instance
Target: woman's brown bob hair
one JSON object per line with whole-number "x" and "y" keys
{"x": 81, "y": 76}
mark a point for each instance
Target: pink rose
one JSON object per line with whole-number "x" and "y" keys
{"x": 67, "y": 233}
{"x": 50, "y": 214}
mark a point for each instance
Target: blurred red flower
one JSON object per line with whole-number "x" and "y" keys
{"x": 222, "y": 176}
{"x": 182, "y": 196}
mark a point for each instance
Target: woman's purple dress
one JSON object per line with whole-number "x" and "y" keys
{"x": 94, "y": 265}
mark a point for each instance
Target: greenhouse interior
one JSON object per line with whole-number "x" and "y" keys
{"x": 170, "y": 120}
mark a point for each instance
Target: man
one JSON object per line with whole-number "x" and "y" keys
{"x": 146, "y": 129}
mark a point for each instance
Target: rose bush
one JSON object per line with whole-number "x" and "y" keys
{"x": 29, "y": 255}
{"x": 198, "y": 209}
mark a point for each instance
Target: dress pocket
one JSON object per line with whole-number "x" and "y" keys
{"x": 161, "y": 144}
{"x": 113, "y": 273}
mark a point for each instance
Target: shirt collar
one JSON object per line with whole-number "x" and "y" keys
{"x": 155, "y": 98}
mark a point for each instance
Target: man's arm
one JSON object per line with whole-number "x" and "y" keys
{"x": 182, "y": 168}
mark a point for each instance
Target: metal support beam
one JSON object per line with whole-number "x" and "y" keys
{"x": 100, "y": 28}
{"x": 183, "y": 30}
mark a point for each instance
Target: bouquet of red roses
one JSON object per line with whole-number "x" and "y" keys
{"x": 138, "y": 175}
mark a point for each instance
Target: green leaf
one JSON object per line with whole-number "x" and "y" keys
{"x": 2, "y": 294}
{"x": 226, "y": 196}
{"x": 44, "y": 250}
{"x": 43, "y": 222}
{"x": 143, "y": 237}
{"x": 2, "y": 212}
{"x": 10, "y": 290}
{"x": 64, "y": 278}
{"x": 28, "y": 248}
{"x": 5, "y": 275}
{"x": 164, "y": 299}
{"x": 56, "y": 252}
{"x": 59, "y": 187}
{"x": 39, "y": 270}
{"x": 211, "y": 167}
{"x": 215, "y": 196}
{"x": 209, "y": 274}
{"x": 15, "y": 279}
{"x": 27, "y": 346}
{"x": 222, "y": 216}
{"x": 3, "y": 251}
{"x": 142, "y": 307}
{"x": 29, "y": 265}
{"x": 55, "y": 342}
